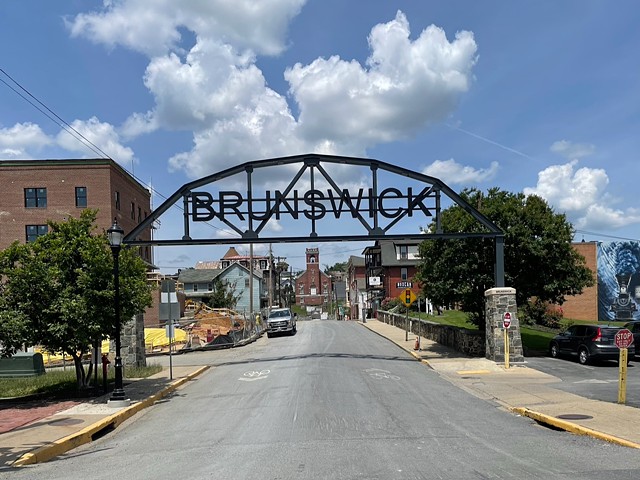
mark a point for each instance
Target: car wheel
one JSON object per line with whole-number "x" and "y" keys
{"x": 295, "y": 329}
{"x": 553, "y": 350}
{"x": 269, "y": 335}
{"x": 583, "y": 356}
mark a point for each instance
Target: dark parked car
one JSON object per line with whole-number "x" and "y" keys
{"x": 588, "y": 343}
{"x": 635, "y": 329}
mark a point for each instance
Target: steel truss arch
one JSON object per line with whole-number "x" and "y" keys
{"x": 377, "y": 210}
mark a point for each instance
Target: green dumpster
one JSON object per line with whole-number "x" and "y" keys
{"x": 22, "y": 365}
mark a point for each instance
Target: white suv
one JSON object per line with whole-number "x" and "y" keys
{"x": 281, "y": 320}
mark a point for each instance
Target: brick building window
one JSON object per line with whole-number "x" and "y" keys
{"x": 404, "y": 274}
{"x": 301, "y": 288}
{"x": 81, "y": 197}
{"x": 117, "y": 199}
{"x": 404, "y": 252}
{"x": 35, "y": 231}
{"x": 139, "y": 214}
{"x": 133, "y": 211}
{"x": 35, "y": 197}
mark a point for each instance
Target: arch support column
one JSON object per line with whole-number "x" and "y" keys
{"x": 499, "y": 301}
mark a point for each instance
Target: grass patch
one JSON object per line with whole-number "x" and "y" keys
{"x": 57, "y": 383}
{"x": 534, "y": 339}
{"x": 455, "y": 318}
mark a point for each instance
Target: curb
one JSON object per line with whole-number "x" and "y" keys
{"x": 94, "y": 431}
{"x": 572, "y": 427}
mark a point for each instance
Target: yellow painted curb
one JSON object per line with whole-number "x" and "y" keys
{"x": 572, "y": 427}
{"x": 85, "y": 435}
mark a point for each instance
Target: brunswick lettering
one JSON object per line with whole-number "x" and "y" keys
{"x": 313, "y": 204}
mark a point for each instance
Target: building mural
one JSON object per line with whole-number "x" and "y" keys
{"x": 618, "y": 281}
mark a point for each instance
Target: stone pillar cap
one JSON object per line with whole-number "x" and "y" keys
{"x": 500, "y": 291}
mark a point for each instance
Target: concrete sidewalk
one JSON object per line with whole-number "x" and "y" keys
{"x": 523, "y": 390}
{"x": 49, "y": 429}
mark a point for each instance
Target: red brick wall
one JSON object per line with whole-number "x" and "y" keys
{"x": 60, "y": 177}
{"x": 584, "y": 306}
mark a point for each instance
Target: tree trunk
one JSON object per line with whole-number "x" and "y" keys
{"x": 81, "y": 378}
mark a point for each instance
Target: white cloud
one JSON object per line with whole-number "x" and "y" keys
{"x": 215, "y": 89}
{"x": 581, "y": 194}
{"x": 134, "y": 24}
{"x": 572, "y": 151}
{"x": 405, "y": 86}
{"x": 21, "y": 139}
{"x": 453, "y": 173}
{"x": 102, "y": 135}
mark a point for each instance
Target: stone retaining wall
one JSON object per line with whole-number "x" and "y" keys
{"x": 469, "y": 342}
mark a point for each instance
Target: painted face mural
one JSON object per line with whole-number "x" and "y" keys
{"x": 618, "y": 281}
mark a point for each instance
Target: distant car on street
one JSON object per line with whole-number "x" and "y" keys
{"x": 634, "y": 327}
{"x": 281, "y": 320}
{"x": 588, "y": 343}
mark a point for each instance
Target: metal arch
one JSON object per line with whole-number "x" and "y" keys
{"x": 313, "y": 163}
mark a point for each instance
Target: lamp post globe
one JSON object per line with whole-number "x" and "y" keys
{"x": 115, "y": 235}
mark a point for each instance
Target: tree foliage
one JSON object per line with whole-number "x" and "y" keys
{"x": 538, "y": 257}
{"x": 336, "y": 267}
{"x": 59, "y": 290}
{"x": 223, "y": 295}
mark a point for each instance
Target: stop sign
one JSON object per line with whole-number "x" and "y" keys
{"x": 506, "y": 320}
{"x": 624, "y": 338}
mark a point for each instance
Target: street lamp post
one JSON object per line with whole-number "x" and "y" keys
{"x": 116, "y": 234}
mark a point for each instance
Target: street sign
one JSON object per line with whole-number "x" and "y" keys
{"x": 407, "y": 297}
{"x": 624, "y": 338}
{"x": 506, "y": 320}
{"x": 404, "y": 284}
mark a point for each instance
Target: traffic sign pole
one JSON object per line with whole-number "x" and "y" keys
{"x": 623, "y": 340}
{"x": 506, "y": 324}
{"x": 622, "y": 377}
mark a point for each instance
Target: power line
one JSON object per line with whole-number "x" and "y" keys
{"x": 60, "y": 122}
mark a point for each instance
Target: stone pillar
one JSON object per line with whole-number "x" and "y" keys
{"x": 498, "y": 301}
{"x": 132, "y": 343}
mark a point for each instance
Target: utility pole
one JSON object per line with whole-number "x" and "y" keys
{"x": 270, "y": 278}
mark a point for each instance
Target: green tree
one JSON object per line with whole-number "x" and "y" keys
{"x": 336, "y": 267}
{"x": 223, "y": 295}
{"x": 538, "y": 257}
{"x": 61, "y": 286}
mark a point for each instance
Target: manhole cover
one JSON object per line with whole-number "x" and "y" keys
{"x": 574, "y": 416}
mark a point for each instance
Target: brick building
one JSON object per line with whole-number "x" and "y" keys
{"x": 585, "y": 305}
{"x": 356, "y": 287}
{"x": 34, "y": 191}
{"x": 390, "y": 267}
{"x": 313, "y": 287}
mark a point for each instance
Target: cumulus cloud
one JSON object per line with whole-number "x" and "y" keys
{"x": 581, "y": 194}
{"x": 18, "y": 141}
{"x": 214, "y": 88}
{"x": 405, "y": 85}
{"x": 102, "y": 135}
{"x": 453, "y": 173}
{"x": 258, "y": 26}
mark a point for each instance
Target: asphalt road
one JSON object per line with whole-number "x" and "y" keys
{"x": 335, "y": 401}
{"x": 599, "y": 381}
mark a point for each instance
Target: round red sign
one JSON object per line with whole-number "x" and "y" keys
{"x": 506, "y": 320}
{"x": 624, "y": 338}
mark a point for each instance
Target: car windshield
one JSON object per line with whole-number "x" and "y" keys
{"x": 279, "y": 313}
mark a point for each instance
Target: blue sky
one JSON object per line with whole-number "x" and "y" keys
{"x": 536, "y": 96}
